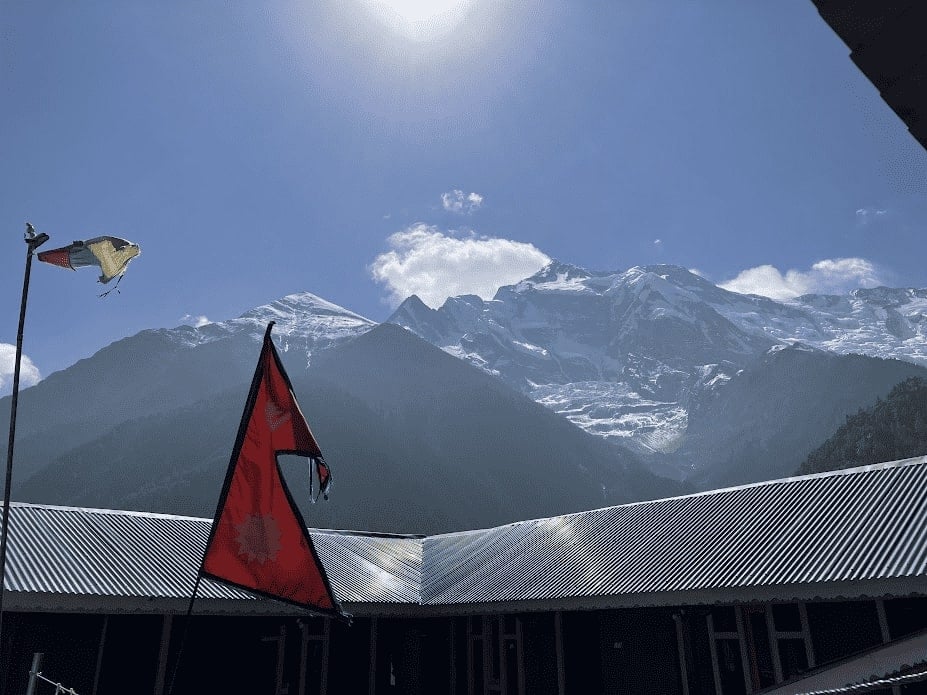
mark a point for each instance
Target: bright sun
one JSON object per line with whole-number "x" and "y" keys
{"x": 421, "y": 20}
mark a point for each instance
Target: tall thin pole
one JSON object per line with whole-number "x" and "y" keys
{"x": 33, "y": 241}
{"x": 186, "y": 628}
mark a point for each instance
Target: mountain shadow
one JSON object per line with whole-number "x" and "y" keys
{"x": 418, "y": 442}
{"x": 891, "y": 429}
{"x": 773, "y": 414}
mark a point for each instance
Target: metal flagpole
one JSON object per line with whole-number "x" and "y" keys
{"x": 33, "y": 241}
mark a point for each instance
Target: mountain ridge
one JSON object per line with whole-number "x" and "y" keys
{"x": 409, "y": 431}
{"x": 652, "y": 373}
{"x": 624, "y": 354}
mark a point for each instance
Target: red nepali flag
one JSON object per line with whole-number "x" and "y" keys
{"x": 259, "y": 540}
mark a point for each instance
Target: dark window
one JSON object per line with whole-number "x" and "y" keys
{"x": 913, "y": 689}
{"x": 786, "y": 617}
{"x": 723, "y": 619}
{"x": 460, "y": 652}
{"x": 839, "y": 629}
{"x": 730, "y": 667}
{"x": 905, "y": 616}
{"x": 539, "y": 654}
{"x": 511, "y": 666}
{"x": 793, "y": 657}
{"x": 509, "y": 621}
{"x": 494, "y": 667}
{"x": 761, "y": 666}
{"x": 476, "y": 673}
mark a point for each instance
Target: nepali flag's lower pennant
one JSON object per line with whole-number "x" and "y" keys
{"x": 110, "y": 253}
{"x": 259, "y": 540}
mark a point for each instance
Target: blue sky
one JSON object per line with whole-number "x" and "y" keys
{"x": 259, "y": 149}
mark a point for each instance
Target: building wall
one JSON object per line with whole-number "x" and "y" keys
{"x": 614, "y": 652}
{"x": 699, "y": 672}
{"x": 540, "y": 653}
{"x": 640, "y": 652}
{"x": 582, "y": 652}
{"x": 842, "y": 628}
{"x": 69, "y": 643}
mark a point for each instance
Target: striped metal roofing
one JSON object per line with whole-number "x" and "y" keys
{"x": 71, "y": 551}
{"x": 917, "y": 674}
{"x": 855, "y": 525}
{"x": 899, "y": 662}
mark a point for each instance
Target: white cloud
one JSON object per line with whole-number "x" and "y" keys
{"x": 196, "y": 321}
{"x": 866, "y": 215}
{"x": 434, "y": 265}
{"x": 28, "y": 372}
{"x": 658, "y": 242}
{"x": 460, "y": 202}
{"x": 830, "y": 276}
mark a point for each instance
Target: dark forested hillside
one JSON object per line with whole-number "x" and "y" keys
{"x": 894, "y": 428}
{"x": 773, "y": 414}
{"x": 418, "y": 440}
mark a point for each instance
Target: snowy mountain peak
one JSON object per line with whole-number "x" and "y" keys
{"x": 563, "y": 277}
{"x": 626, "y": 353}
{"x": 555, "y": 269}
{"x": 556, "y": 277}
{"x": 890, "y": 296}
{"x": 296, "y": 307}
{"x": 304, "y": 316}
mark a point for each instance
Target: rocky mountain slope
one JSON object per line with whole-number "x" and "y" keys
{"x": 418, "y": 441}
{"x": 158, "y": 371}
{"x": 665, "y": 374}
{"x": 772, "y": 414}
{"x": 630, "y": 355}
{"x": 893, "y": 428}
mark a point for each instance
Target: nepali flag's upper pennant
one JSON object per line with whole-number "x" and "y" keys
{"x": 259, "y": 540}
{"x": 110, "y": 253}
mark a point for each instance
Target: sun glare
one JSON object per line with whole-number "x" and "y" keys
{"x": 421, "y": 20}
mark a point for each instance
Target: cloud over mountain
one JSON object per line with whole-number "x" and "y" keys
{"x": 828, "y": 276}
{"x": 195, "y": 321}
{"x": 460, "y": 202}
{"x": 29, "y": 373}
{"x": 435, "y": 265}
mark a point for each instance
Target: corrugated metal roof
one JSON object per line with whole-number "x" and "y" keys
{"x": 853, "y": 525}
{"x": 71, "y": 551}
{"x": 898, "y": 662}
{"x": 917, "y": 674}
{"x": 856, "y": 524}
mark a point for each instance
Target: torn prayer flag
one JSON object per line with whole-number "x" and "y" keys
{"x": 111, "y": 254}
{"x": 259, "y": 540}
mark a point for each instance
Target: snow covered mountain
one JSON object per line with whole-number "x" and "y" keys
{"x": 305, "y": 322}
{"x": 629, "y": 354}
{"x": 418, "y": 440}
{"x": 713, "y": 387}
{"x": 158, "y": 371}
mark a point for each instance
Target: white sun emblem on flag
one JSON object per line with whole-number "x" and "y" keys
{"x": 275, "y": 415}
{"x": 258, "y": 538}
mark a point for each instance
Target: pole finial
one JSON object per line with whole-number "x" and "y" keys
{"x": 32, "y": 239}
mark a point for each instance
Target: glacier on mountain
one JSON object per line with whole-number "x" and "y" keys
{"x": 625, "y": 354}
{"x": 304, "y": 323}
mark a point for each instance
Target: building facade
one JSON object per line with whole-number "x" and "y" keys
{"x": 799, "y": 585}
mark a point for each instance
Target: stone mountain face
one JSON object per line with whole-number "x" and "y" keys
{"x": 705, "y": 385}
{"x": 418, "y": 442}
{"x": 159, "y": 371}
{"x": 619, "y": 354}
{"x": 629, "y": 355}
